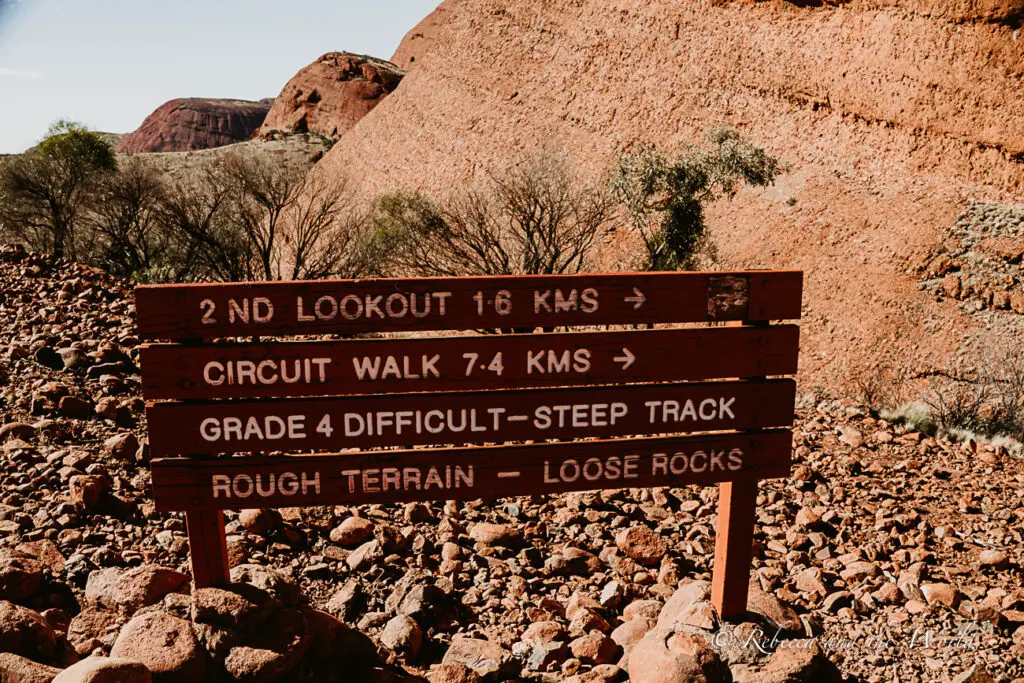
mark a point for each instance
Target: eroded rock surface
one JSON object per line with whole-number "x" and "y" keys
{"x": 331, "y": 95}
{"x": 188, "y": 124}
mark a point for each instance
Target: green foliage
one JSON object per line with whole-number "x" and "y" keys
{"x": 77, "y": 148}
{"x": 399, "y": 220}
{"x": 664, "y": 198}
{"x": 45, "y": 192}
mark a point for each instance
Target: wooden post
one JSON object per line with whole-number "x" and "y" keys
{"x": 207, "y": 542}
{"x": 737, "y": 513}
{"x": 737, "y": 502}
{"x": 208, "y": 545}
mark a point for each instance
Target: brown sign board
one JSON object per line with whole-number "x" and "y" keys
{"x": 464, "y": 363}
{"x": 203, "y": 311}
{"x": 340, "y": 423}
{"x": 588, "y": 401}
{"x": 451, "y": 474}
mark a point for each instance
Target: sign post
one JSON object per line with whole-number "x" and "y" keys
{"x": 630, "y": 408}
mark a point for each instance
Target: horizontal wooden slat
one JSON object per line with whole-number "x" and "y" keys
{"x": 452, "y": 418}
{"x": 177, "y": 312}
{"x": 435, "y": 474}
{"x": 458, "y": 363}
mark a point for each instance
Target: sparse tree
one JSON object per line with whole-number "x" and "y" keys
{"x": 194, "y": 212}
{"x": 252, "y": 218}
{"x": 44, "y": 192}
{"x": 664, "y": 198}
{"x": 328, "y": 235}
{"x": 532, "y": 218}
{"x": 126, "y": 221}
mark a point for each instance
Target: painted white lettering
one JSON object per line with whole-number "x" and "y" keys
{"x": 311, "y": 484}
{"x": 213, "y": 373}
{"x": 221, "y": 485}
{"x": 238, "y": 312}
{"x": 300, "y": 315}
{"x": 262, "y": 309}
{"x": 367, "y": 368}
{"x": 725, "y": 407}
{"x": 288, "y": 484}
{"x": 533, "y": 362}
{"x": 735, "y": 459}
{"x": 210, "y": 429}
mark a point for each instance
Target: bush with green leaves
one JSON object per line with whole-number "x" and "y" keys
{"x": 45, "y": 192}
{"x": 664, "y": 198}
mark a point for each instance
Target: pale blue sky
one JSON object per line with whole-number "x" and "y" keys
{"x": 109, "y": 63}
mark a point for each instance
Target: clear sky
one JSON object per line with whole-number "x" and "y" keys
{"x": 109, "y": 63}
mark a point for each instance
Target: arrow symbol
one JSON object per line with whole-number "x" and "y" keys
{"x": 626, "y": 358}
{"x": 637, "y": 299}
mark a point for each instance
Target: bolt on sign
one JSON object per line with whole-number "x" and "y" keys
{"x": 568, "y": 411}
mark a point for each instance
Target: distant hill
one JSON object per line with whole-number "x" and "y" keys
{"x": 189, "y": 124}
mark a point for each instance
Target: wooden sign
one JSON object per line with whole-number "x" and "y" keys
{"x": 339, "y": 423}
{"x": 477, "y": 362}
{"x": 590, "y": 401}
{"x": 466, "y": 303}
{"x": 451, "y": 474}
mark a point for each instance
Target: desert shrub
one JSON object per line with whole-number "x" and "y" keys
{"x": 45, "y": 192}
{"x": 882, "y": 386}
{"x": 664, "y": 198}
{"x": 235, "y": 217}
{"x": 958, "y": 403}
{"x": 1005, "y": 414}
{"x": 131, "y": 239}
{"x": 534, "y": 217}
{"x": 982, "y": 402}
{"x": 194, "y": 213}
{"x": 274, "y": 222}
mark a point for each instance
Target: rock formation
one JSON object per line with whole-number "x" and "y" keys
{"x": 422, "y": 38}
{"x": 184, "y": 125}
{"x": 331, "y": 95}
{"x": 890, "y": 114}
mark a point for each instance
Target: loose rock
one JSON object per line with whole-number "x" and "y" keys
{"x": 106, "y": 670}
{"x": 641, "y": 544}
{"x": 167, "y": 646}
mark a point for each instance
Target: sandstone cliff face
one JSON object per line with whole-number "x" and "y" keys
{"x": 421, "y": 39}
{"x": 994, "y": 11}
{"x": 332, "y": 94}
{"x": 189, "y": 124}
{"x": 891, "y": 114}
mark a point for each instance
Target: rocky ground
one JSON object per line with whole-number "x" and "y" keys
{"x": 981, "y": 261}
{"x": 886, "y": 556}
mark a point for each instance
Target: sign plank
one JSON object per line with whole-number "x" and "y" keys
{"x": 340, "y": 423}
{"x": 443, "y": 474}
{"x": 454, "y": 363}
{"x": 203, "y": 311}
